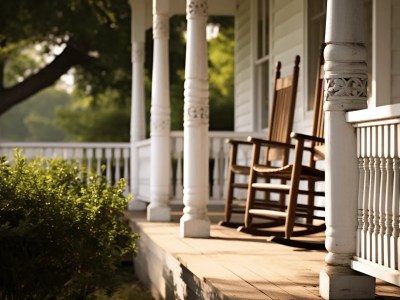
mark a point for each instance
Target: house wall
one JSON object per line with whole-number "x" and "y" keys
{"x": 287, "y": 36}
{"x": 244, "y": 110}
{"x": 287, "y": 41}
{"x": 395, "y": 53}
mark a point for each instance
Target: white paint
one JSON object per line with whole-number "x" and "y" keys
{"x": 345, "y": 57}
{"x": 195, "y": 221}
{"x": 160, "y": 162}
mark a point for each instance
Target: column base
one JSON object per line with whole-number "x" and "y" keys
{"x": 337, "y": 282}
{"x": 158, "y": 213}
{"x": 196, "y": 228}
{"x": 137, "y": 205}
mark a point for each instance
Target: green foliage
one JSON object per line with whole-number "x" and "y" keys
{"x": 100, "y": 26}
{"x": 34, "y": 119}
{"x": 221, "y": 78}
{"x": 60, "y": 237}
{"x": 95, "y": 119}
{"x": 221, "y": 74}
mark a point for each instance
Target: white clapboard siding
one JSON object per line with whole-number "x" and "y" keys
{"x": 288, "y": 40}
{"x": 395, "y": 42}
{"x": 243, "y": 68}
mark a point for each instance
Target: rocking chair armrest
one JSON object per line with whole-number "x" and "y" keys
{"x": 268, "y": 143}
{"x": 300, "y": 136}
{"x": 237, "y": 142}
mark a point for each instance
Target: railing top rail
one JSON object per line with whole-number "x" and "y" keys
{"x": 62, "y": 145}
{"x": 388, "y": 114}
{"x": 225, "y": 134}
{"x": 143, "y": 143}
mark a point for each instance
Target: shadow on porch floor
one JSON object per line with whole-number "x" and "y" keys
{"x": 229, "y": 265}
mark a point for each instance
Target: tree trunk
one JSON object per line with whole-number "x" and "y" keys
{"x": 71, "y": 56}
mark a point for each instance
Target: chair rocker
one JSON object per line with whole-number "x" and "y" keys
{"x": 281, "y": 124}
{"x": 292, "y": 213}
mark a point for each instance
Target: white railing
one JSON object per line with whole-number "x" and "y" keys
{"x": 141, "y": 185}
{"x": 114, "y": 156}
{"x": 219, "y": 156}
{"x": 378, "y": 154}
{"x": 117, "y": 159}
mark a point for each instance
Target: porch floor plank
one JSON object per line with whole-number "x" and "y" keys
{"x": 228, "y": 265}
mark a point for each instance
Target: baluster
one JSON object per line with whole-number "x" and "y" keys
{"x": 172, "y": 170}
{"x": 394, "y": 259}
{"x": 79, "y": 158}
{"x": 171, "y": 176}
{"x": 370, "y": 206}
{"x": 389, "y": 153}
{"x": 225, "y": 151}
{"x": 125, "y": 153}
{"x": 395, "y": 217}
{"x": 117, "y": 158}
{"x": 216, "y": 184}
{"x": 365, "y": 198}
{"x": 89, "y": 157}
{"x": 67, "y": 154}
{"x": 360, "y": 154}
{"x": 28, "y": 153}
{"x": 221, "y": 170}
{"x": 108, "y": 154}
{"x": 178, "y": 183}
{"x": 244, "y": 159}
{"x": 99, "y": 155}
{"x": 383, "y": 149}
{"x": 375, "y": 203}
{"x": 48, "y": 153}
{"x": 57, "y": 153}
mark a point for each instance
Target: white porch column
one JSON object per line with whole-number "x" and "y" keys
{"x": 345, "y": 90}
{"x": 160, "y": 161}
{"x": 138, "y": 124}
{"x": 195, "y": 221}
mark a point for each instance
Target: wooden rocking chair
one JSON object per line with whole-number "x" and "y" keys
{"x": 304, "y": 216}
{"x": 281, "y": 124}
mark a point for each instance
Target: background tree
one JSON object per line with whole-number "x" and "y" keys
{"x": 92, "y": 33}
{"x": 95, "y": 38}
{"x": 35, "y": 119}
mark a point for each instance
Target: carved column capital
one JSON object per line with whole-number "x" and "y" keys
{"x": 345, "y": 77}
{"x": 160, "y": 26}
{"x": 196, "y": 8}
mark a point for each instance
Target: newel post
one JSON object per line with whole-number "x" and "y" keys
{"x": 160, "y": 161}
{"x": 345, "y": 90}
{"x": 195, "y": 221}
{"x": 138, "y": 124}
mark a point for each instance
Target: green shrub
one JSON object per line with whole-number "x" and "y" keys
{"x": 60, "y": 237}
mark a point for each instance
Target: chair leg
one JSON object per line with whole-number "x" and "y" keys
{"x": 294, "y": 189}
{"x": 248, "y": 218}
{"x": 310, "y": 202}
{"x": 291, "y": 210}
{"x": 229, "y": 197}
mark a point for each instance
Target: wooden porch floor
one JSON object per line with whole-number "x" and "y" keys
{"x": 229, "y": 265}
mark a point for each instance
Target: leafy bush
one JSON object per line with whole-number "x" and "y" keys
{"x": 61, "y": 237}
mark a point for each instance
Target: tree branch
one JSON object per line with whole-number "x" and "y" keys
{"x": 72, "y": 55}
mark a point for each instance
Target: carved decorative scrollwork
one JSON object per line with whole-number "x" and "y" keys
{"x": 196, "y": 112}
{"x": 198, "y": 7}
{"x": 160, "y": 26}
{"x": 346, "y": 87}
{"x": 159, "y": 125}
